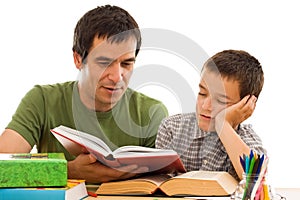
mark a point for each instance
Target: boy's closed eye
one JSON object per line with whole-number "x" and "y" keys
{"x": 202, "y": 94}
{"x": 203, "y": 91}
{"x": 214, "y": 99}
{"x": 222, "y": 102}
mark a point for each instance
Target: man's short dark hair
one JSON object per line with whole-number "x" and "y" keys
{"x": 111, "y": 22}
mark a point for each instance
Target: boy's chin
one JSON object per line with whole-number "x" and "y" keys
{"x": 207, "y": 127}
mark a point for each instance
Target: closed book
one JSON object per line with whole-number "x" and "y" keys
{"x": 33, "y": 170}
{"x": 75, "y": 189}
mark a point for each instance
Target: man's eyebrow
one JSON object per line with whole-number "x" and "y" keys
{"x": 132, "y": 59}
{"x": 103, "y": 58}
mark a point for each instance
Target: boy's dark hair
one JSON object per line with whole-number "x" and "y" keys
{"x": 111, "y": 22}
{"x": 240, "y": 66}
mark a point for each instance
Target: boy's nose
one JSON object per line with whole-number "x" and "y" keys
{"x": 207, "y": 103}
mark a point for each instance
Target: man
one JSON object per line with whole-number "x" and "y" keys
{"x": 106, "y": 42}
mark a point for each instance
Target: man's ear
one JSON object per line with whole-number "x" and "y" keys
{"x": 77, "y": 60}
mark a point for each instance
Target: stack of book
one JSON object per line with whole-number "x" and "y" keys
{"x": 38, "y": 176}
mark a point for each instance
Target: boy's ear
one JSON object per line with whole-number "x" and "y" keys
{"x": 77, "y": 60}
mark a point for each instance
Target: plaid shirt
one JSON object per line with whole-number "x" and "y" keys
{"x": 200, "y": 150}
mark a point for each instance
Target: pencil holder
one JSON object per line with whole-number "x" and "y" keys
{"x": 253, "y": 187}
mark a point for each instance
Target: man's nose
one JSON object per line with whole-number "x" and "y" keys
{"x": 115, "y": 72}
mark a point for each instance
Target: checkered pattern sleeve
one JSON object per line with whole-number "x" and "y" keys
{"x": 168, "y": 127}
{"x": 249, "y": 136}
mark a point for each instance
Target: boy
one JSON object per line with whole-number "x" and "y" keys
{"x": 212, "y": 138}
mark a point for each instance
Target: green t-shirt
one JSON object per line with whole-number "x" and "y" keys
{"x": 133, "y": 121}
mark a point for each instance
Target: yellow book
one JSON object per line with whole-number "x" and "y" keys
{"x": 193, "y": 183}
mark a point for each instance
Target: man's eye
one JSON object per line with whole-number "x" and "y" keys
{"x": 127, "y": 64}
{"x": 103, "y": 63}
{"x": 202, "y": 94}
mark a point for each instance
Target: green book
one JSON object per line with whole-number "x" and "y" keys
{"x": 33, "y": 170}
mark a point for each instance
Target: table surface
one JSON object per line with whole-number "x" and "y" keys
{"x": 288, "y": 193}
{"x": 154, "y": 198}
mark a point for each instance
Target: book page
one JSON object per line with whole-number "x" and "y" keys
{"x": 65, "y": 135}
{"x": 88, "y": 137}
{"x": 140, "y": 150}
{"x": 207, "y": 175}
{"x": 156, "y": 179}
{"x": 200, "y": 183}
{"x": 136, "y": 186}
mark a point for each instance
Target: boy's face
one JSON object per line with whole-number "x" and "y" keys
{"x": 215, "y": 94}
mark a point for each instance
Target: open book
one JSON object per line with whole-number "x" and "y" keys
{"x": 193, "y": 183}
{"x": 158, "y": 160}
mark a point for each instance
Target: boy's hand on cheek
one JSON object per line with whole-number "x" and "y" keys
{"x": 236, "y": 113}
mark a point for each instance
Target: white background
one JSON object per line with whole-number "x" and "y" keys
{"x": 36, "y": 41}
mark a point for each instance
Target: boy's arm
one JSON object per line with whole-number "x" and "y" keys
{"x": 163, "y": 138}
{"x": 226, "y": 123}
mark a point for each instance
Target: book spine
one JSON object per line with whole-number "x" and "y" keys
{"x": 31, "y": 194}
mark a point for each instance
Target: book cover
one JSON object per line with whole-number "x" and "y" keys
{"x": 33, "y": 170}
{"x": 193, "y": 183}
{"x": 157, "y": 160}
{"x": 75, "y": 189}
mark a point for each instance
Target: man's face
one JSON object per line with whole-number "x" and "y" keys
{"x": 105, "y": 75}
{"x": 215, "y": 94}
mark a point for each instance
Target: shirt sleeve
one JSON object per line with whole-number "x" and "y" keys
{"x": 249, "y": 136}
{"x": 157, "y": 114}
{"x": 28, "y": 116}
{"x": 164, "y": 136}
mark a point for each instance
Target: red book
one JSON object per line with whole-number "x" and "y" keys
{"x": 157, "y": 160}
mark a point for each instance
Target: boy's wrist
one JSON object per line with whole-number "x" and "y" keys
{"x": 221, "y": 127}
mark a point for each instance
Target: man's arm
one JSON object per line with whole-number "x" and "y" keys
{"x": 226, "y": 123}
{"x": 12, "y": 142}
{"x": 85, "y": 166}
